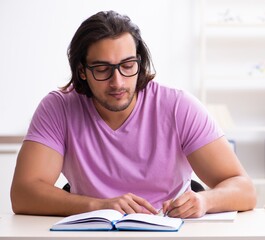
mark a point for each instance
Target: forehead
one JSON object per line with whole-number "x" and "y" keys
{"x": 112, "y": 49}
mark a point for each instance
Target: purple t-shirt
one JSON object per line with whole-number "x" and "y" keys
{"x": 145, "y": 156}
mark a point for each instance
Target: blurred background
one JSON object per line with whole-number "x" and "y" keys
{"x": 211, "y": 48}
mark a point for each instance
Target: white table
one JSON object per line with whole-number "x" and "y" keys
{"x": 250, "y": 225}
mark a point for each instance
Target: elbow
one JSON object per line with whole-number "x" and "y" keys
{"x": 251, "y": 203}
{"x": 251, "y": 197}
{"x": 14, "y": 201}
{"x": 16, "y": 207}
{"x": 17, "y": 202}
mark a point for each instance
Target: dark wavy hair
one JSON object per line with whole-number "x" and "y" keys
{"x": 107, "y": 24}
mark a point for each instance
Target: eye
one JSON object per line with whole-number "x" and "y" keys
{"x": 102, "y": 68}
{"x": 128, "y": 65}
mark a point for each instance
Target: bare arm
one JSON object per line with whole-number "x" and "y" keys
{"x": 219, "y": 168}
{"x": 33, "y": 191}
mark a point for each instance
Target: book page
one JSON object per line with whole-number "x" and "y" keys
{"x": 140, "y": 218}
{"x": 107, "y": 214}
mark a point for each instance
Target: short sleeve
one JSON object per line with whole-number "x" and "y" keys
{"x": 48, "y": 123}
{"x": 195, "y": 125}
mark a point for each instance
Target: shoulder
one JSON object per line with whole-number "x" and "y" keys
{"x": 58, "y": 106}
{"x": 53, "y": 118}
{"x": 157, "y": 90}
{"x": 59, "y": 98}
{"x": 169, "y": 95}
{"x": 59, "y": 95}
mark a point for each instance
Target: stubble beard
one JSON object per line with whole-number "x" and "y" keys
{"x": 116, "y": 108}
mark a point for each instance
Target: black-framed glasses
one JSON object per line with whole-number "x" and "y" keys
{"x": 103, "y": 72}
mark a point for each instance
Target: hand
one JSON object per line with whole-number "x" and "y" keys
{"x": 128, "y": 203}
{"x": 188, "y": 205}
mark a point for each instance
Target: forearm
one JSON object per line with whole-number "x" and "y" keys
{"x": 40, "y": 198}
{"x": 236, "y": 193}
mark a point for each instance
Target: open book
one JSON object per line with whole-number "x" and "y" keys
{"x": 109, "y": 219}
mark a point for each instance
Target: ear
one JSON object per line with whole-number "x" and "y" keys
{"x": 82, "y": 73}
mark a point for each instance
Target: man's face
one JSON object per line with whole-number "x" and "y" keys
{"x": 118, "y": 92}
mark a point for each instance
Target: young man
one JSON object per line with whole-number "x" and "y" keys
{"x": 122, "y": 141}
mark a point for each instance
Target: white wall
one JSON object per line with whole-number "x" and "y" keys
{"x": 35, "y": 35}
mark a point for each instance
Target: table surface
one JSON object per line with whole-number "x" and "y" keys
{"x": 250, "y": 225}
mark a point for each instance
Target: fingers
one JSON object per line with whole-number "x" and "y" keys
{"x": 189, "y": 204}
{"x": 146, "y": 207}
{"x": 130, "y": 203}
{"x": 166, "y": 205}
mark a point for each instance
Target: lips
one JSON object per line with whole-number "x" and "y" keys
{"x": 117, "y": 95}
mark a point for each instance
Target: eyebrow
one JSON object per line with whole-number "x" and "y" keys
{"x": 105, "y": 62}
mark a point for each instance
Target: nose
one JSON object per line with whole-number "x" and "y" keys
{"x": 117, "y": 80}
